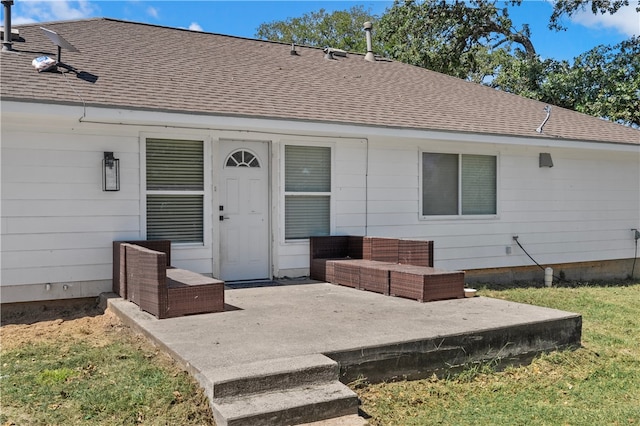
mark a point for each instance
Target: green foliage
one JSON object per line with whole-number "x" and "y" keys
{"x": 117, "y": 384}
{"x": 596, "y": 384}
{"x": 604, "y": 82}
{"x": 342, "y": 29}
{"x": 465, "y": 39}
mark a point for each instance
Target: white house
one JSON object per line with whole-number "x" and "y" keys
{"x": 238, "y": 150}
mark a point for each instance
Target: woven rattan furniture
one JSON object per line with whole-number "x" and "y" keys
{"x": 415, "y": 252}
{"x": 384, "y": 265}
{"x": 168, "y": 292}
{"x": 120, "y": 264}
{"x": 326, "y": 248}
{"x": 425, "y": 284}
{"x": 380, "y": 249}
{"x": 346, "y": 272}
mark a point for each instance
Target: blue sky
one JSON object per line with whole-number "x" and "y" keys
{"x": 241, "y": 18}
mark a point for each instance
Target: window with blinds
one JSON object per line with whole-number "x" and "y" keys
{"x": 175, "y": 190}
{"x": 455, "y": 184}
{"x": 307, "y": 191}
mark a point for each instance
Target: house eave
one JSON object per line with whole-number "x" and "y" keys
{"x": 197, "y": 120}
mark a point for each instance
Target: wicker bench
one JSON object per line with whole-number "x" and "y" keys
{"x": 389, "y": 266}
{"x": 162, "y": 290}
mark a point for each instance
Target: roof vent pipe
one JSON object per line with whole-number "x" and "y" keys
{"x": 367, "y": 32}
{"x": 6, "y": 41}
{"x": 328, "y": 53}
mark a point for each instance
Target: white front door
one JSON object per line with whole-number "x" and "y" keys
{"x": 244, "y": 211}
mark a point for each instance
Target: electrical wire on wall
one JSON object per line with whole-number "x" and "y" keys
{"x": 515, "y": 238}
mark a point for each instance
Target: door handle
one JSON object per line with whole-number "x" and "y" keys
{"x": 223, "y": 218}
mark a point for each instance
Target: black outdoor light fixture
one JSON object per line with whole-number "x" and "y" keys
{"x": 110, "y": 173}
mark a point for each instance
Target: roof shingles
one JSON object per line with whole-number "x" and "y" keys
{"x": 151, "y": 67}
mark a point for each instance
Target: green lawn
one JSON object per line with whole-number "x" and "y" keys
{"x": 93, "y": 374}
{"x": 598, "y": 384}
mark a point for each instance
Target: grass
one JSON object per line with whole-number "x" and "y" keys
{"x": 103, "y": 377}
{"x": 122, "y": 380}
{"x": 598, "y": 384}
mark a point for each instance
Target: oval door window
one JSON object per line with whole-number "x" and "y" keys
{"x": 242, "y": 158}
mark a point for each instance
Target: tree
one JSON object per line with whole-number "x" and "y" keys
{"x": 466, "y": 39}
{"x": 604, "y": 81}
{"x": 340, "y": 29}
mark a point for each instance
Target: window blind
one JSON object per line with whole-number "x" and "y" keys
{"x": 478, "y": 184}
{"x": 307, "y": 169}
{"x": 306, "y": 216}
{"x": 175, "y": 217}
{"x": 175, "y": 165}
{"x": 307, "y": 173}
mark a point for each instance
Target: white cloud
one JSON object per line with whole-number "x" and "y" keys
{"x": 626, "y": 20}
{"x": 153, "y": 12}
{"x": 195, "y": 27}
{"x": 26, "y": 12}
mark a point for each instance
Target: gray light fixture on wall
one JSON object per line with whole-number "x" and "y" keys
{"x": 545, "y": 160}
{"x": 110, "y": 173}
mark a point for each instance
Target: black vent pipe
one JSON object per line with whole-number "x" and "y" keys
{"x": 6, "y": 41}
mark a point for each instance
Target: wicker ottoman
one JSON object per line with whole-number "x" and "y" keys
{"x": 374, "y": 276}
{"x": 345, "y": 272}
{"x": 425, "y": 284}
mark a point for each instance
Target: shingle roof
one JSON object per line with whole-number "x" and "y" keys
{"x": 151, "y": 67}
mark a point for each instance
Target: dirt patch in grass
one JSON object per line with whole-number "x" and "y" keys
{"x": 61, "y": 322}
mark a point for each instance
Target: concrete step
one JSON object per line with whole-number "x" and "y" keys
{"x": 301, "y": 404}
{"x": 271, "y": 375}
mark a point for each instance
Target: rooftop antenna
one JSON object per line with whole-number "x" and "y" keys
{"x": 367, "y": 32}
{"x": 548, "y": 111}
{"x": 59, "y": 41}
{"x": 6, "y": 40}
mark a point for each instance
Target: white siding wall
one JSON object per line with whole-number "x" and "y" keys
{"x": 56, "y": 220}
{"x": 57, "y": 224}
{"x": 582, "y": 209}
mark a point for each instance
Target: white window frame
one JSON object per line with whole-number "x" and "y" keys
{"x": 284, "y": 193}
{"x": 205, "y": 192}
{"x": 459, "y": 215}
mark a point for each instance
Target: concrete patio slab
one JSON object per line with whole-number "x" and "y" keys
{"x": 265, "y": 331}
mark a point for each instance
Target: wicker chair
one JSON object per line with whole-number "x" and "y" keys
{"x": 120, "y": 264}
{"x": 168, "y": 292}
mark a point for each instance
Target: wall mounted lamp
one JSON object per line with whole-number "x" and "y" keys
{"x": 110, "y": 173}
